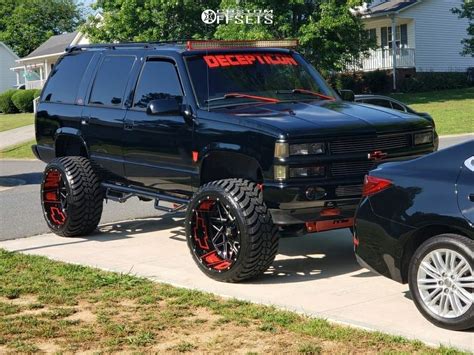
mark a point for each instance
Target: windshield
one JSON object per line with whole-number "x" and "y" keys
{"x": 240, "y": 78}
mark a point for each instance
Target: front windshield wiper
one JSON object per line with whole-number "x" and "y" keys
{"x": 241, "y": 95}
{"x": 306, "y": 92}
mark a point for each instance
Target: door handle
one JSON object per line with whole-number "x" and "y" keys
{"x": 85, "y": 120}
{"x": 471, "y": 197}
{"x": 128, "y": 125}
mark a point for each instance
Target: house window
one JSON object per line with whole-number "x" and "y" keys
{"x": 401, "y": 37}
{"x": 372, "y": 34}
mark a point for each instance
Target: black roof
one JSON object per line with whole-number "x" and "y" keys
{"x": 388, "y": 7}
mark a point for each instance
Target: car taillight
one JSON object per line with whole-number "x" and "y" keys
{"x": 373, "y": 185}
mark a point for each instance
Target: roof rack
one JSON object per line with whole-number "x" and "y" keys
{"x": 121, "y": 45}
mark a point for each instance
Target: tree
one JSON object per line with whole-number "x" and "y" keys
{"x": 330, "y": 35}
{"x": 25, "y": 24}
{"x": 148, "y": 20}
{"x": 467, "y": 11}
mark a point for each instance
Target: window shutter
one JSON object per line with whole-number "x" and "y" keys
{"x": 384, "y": 37}
{"x": 404, "y": 35}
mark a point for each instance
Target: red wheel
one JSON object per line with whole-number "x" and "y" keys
{"x": 54, "y": 195}
{"x": 71, "y": 196}
{"x": 216, "y": 235}
{"x": 229, "y": 230}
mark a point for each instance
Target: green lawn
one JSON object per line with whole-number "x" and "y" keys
{"x": 55, "y": 307}
{"x": 452, "y": 110}
{"x": 15, "y": 120}
{"x": 20, "y": 151}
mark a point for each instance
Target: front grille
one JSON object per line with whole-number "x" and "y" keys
{"x": 370, "y": 144}
{"x": 351, "y": 168}
{"x": 349, "y": 190}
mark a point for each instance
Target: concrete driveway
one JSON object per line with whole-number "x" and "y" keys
{"x": 316, "y": 275}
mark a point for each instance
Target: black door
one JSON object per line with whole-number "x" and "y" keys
{"x": 158, "y": 148}
{"x": 465, "y": 189}
{"x": 103, "y": 115}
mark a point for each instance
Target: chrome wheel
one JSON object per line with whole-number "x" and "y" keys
{"x": 445, "y": 281}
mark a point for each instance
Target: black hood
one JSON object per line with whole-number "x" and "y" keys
{"x": 324, "y": 118}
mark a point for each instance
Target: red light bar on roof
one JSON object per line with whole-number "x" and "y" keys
{"x": 215, "y": 44}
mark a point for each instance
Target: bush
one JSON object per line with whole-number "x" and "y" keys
{"x": 37, "y": 93}
{"x": 434, "y": 81}
{"x": 23, "y": 100}
{"x": 6, "y": 103}
{"x": 380, "y": 81}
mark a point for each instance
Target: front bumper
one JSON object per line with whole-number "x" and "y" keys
{"x": 289, "y": 205}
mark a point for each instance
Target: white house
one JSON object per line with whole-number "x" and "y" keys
{"x": 37, "y": 65}
{"x": 7, "y": 60}
{"x": 427, "y": 35}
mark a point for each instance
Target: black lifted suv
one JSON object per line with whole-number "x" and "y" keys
{"x": 246, "y": 135}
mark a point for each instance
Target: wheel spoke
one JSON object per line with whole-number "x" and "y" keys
{"x": 465, "y": 296}
{"x": 430, "y": 270}
{"x": 456, "y": 304}
{"x": 466, "y": 282}
{"x": 438, "y": 261}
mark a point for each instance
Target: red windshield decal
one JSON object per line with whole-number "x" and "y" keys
{"x": 215, "y": 61}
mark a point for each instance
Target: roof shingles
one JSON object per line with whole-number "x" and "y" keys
{"x": 55, "y": 44}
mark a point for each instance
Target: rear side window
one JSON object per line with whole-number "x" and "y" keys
{"x": 158, "y": 80}
{"x": 111, "y": 80}
{"x": 379, "y": 102}
{"x": 398, "y": 107}
{"x": 65, "y": 78}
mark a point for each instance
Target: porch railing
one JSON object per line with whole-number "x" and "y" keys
{"x": 382, "y": 59}
{"x": 34, "y": 84}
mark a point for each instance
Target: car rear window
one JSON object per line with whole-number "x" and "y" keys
{"x": 64, "y": 80}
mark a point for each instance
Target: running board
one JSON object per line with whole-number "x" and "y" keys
{"x": 121, "y": 193}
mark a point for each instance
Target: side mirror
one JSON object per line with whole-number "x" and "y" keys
{"x": 167, "y": 106}
{"x": 347, "y": 95}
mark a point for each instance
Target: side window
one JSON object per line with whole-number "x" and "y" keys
{"x": 111, "y": 80}
{"x": 397, "y": 107}
{"x": 158, "y": 80}
{"x": 65, "y": 78}
{"x": 379, "y": 102}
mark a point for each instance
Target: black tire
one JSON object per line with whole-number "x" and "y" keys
{"x": 250, "y": 225}
{"x": 464, "y": 247}
{"x": 71, "y": 196}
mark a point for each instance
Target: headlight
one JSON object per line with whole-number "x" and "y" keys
{"x": 307, "y": 149}
{"x": 281, "y": 150}
{"x": 280, "y": 172}
{"x": 310, "y": 171}
{"x": 423, "y": 138}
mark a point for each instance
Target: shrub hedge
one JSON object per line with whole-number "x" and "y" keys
{"x": 6, "y": 103}
{"x": 380, "y": 81}
{"x": 23, "y": 100}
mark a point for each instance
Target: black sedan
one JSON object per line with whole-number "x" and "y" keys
{"x": 388, "y": 102}
{"x": 415, "y": 224}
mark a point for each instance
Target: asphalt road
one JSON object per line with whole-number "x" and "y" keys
{"x": 20, "y": 209}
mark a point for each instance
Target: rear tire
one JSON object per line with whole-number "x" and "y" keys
{"x": 441, "y": 280}
{"x": 229, "y": 230}
{"x": 71, "y": 196}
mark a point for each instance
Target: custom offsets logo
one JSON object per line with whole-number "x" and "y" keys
{"x": 237, "y": 16}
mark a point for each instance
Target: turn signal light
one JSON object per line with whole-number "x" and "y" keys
{"x": 373, "y": 185}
